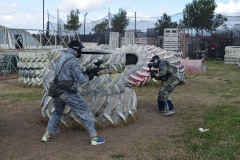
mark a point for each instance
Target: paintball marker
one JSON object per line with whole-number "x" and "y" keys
{"x": 152, "y": 72}
{"x": 91, "y": 72}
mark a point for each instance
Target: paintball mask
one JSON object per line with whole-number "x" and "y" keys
{"x": 155, "y": 61}
{"x": 77, "y": 46}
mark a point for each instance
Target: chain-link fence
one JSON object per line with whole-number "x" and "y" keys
{"x": 35, "y": 39}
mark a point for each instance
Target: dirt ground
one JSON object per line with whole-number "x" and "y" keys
{"x": 22, "y": 125}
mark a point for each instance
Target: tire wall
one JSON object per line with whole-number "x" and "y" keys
{"x": 31, "y": 66}
{"x": 137, "y": 71}
{"x": 108, "y": 96}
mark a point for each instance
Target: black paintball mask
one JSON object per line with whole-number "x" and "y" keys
{"x": 155, "y": 60}
{"x": 77, "y": 46}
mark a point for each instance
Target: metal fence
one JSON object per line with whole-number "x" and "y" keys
{"x": 8, "y": 63}
{"x": 197, "y": 46}
{"x": 25, "y": 39}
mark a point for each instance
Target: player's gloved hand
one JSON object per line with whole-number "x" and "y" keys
{"x": 91, "y": 75}
{"x": 153, "y": 75}
{"x": 73, "y": 90}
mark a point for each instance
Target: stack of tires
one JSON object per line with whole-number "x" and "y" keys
{"x": 232, "y": 55}
{"x": 108, "y": 96}
{"x": 31, "y": 66}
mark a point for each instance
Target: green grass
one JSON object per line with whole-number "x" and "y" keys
{"x": 21, "y": 96}
{"x": 219, "y": 92}
{"x": 17, "y": 97}
{"x": 14, "y": 93}
{"x": 222, "y": 141}
{"x": 210, "y": 100}
{"x": 117, "y": 156}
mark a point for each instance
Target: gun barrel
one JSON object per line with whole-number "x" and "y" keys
{"x": 95, "y": 69}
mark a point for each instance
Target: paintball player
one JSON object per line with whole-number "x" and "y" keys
{"x": 70, "y": 77}
{"x": 171, "y": 77}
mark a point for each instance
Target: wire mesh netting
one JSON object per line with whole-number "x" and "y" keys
{"x": 142, "y": 23}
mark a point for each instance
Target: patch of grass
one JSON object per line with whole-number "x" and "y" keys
{"x": 209, "y": 77}
{"x": 118, "y": 155}
{"x": 210, "y": 101}
{"x": 9, "y": 98}
{"x": 155, "y": 148}
{"x": 227, "y": 96}
{"x": 223, "y": 138}
{"x": 191, "y": 76}
{"x": 236, "y": 102}
{"x": 22, "y": 96}
{"x": 153, "y": 83}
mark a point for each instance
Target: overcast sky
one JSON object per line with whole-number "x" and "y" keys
{"x": 28, "y": 14}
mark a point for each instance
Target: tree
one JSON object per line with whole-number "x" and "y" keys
{"x": 206, "y": 16}
{"x": 120, "y": 21}
{"x": 101, "y": 28}
{"x": 199, "y": 15}
{"x": 188, "y": 16}
{"x": 73, "y": 20}
{"x": 219, "y": 20}
{"x": 164, "y": 22}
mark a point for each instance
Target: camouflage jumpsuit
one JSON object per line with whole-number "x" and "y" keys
{"x": 174, "y": 77}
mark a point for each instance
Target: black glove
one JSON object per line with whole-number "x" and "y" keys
{"x": 153, "y": 75}
{"x": 91, "y": 75}
{"x": 164, "y": 78}
{"x": 73, "y": 90}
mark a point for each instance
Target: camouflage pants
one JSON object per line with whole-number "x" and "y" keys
{"x": 167, "y": 88}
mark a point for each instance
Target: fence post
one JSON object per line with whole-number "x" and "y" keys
{"x": 41, "y": 39}
{"x": 56, "y": 39}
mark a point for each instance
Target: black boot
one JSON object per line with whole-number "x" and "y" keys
{"x": 161, "y": 106}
